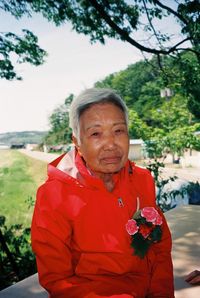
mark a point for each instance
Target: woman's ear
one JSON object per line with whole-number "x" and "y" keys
{"x": 75, "y": 142}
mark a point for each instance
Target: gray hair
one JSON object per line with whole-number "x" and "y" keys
{"x": 89, "y": 97}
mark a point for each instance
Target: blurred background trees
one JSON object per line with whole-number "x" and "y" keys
{"x": 59, "y": 132}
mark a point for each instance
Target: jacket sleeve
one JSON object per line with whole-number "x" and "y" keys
{"x": 162, "y": 282}
{"x": 51, "y": 236}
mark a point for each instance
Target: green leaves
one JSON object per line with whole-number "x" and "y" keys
{"x": 25, "y": 48}
{"x": 110, "y": 19}
{"x": 137, "y": 127}
{"x": 60, "y": 133}
{"x": 17, "y": 258}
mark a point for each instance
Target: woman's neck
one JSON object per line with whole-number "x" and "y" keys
{"x": 107, "y": 179}
{"x": 108, "y": 182}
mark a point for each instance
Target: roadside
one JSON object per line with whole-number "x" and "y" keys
{"x": 47, "y": 157}
{"x": 188, "y": 173}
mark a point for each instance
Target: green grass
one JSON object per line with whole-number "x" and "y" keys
{"x": 20, "y": 177}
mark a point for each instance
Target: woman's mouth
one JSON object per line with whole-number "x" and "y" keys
{"x": 111, "y": 159}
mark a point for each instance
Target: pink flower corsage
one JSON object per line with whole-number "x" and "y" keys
{"x": 145, "y": 229}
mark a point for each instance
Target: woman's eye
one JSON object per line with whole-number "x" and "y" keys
{"x": 119, "y": 130}
{"x": 95, "y": 134}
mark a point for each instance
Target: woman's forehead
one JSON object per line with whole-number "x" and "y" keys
{"x": 102, "y": 106}
{"x": 100, "y": 112}
{"x": 98, "y": 117}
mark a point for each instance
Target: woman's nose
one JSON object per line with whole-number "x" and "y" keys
{"x": 109, "y": 142}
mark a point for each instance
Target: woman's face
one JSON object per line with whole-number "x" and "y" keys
{"x": 104, "y": 140}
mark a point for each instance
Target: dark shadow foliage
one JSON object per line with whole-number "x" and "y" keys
{"x": 16, "y": 257}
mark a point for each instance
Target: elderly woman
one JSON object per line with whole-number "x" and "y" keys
{"x": 82, "y": 229}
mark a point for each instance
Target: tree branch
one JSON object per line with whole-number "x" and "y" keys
{"x": 169, "y": 9}
{"x": 150, "y": 22}
{"x": 125, "y": 35}
{"x": 174, "y": 48}
{"x": 122, "y": 32}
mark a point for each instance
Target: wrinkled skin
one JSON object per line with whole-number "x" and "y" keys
{"x": 104, "y": 140}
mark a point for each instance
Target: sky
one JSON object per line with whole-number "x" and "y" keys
{"x": 72, "y": 65}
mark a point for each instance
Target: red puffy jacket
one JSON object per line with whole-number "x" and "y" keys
{"x": 78, "y": 235}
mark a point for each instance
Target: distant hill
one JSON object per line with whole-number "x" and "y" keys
{"x": 22, "y": 137}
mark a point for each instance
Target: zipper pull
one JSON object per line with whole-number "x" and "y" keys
{"x": 120, "y": 202}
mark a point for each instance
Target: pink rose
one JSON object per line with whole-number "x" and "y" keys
{"x": 158, "y": 220}
{"x": 132, "y": 227}
{"x": 150, "y": 214}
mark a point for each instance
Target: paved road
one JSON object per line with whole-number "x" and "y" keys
{"x": 47, "y": 157}
{"x": 189, "y": 174}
